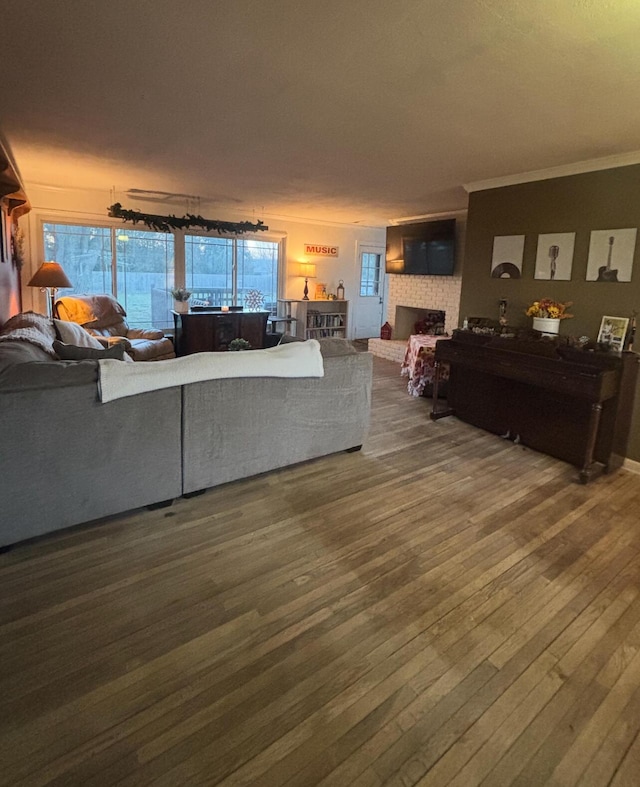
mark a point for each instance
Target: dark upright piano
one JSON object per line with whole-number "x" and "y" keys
{"x": 569, "y": 403}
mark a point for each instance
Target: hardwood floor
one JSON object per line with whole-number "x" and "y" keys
{"x": 442, "y": 608}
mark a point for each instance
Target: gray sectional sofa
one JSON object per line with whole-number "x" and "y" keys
{"x": 66, "y": 458}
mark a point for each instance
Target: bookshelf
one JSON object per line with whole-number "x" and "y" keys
{"x": 315, "y": 319}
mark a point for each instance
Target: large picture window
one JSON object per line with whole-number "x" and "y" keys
{"x": 138, "y": 267}
{"x": 224, "y": 271}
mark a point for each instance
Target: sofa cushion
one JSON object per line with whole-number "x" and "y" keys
{"x": 331, "y": 348}
{"x": 72, "y": 352}
{"x": 12, "y": 352}
{"x": 23, "y": 367}
{"x": 72, "y": 333}
{"x": 151, "y": 350}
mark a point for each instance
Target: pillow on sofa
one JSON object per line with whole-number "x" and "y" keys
{"x": 73, "y": 352}
{"x": 72, "y": 333}
{"x": 330, "y": 348}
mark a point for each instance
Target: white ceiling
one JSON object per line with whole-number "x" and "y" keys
{"x": 345, "y": 110}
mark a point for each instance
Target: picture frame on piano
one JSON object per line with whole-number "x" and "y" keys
{"x": 613, "y": 331}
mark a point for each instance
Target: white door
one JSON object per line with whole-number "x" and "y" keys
{"x": 368, "y": 306}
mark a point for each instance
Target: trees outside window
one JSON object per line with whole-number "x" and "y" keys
{"x": 138, "y": 267}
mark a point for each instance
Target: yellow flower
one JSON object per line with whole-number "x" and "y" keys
{"x": 548, "y": 308}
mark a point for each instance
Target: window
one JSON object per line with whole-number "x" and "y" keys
{"x": 222, "y": 271}
{"x": 370, "y": 274}
{"x": 208, "y": 267}
{"x": 84, "y": 253}
{"x": 145, "y": 276}
{"x": 138, "y": 268}
{"x": 138, "y": 274}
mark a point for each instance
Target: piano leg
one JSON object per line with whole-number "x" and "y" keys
{"x": 594, "y": 422}
{"x": 435, "y": 412}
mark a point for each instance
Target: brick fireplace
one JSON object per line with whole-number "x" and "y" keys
{"x": 409, "y": 298}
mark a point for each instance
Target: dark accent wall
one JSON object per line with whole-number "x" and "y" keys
{"x": 609, "y": 199}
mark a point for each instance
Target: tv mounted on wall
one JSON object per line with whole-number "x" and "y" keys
{"x": 424, "y": 249}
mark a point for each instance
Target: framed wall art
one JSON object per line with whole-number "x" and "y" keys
{"x": 611, "y": 255}
{"x": 506, "y": 260}
{"x": 554, "y": 258}
{"x": 613, "y": 331}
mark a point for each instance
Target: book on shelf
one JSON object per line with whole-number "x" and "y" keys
{"x": 319, "y": 320}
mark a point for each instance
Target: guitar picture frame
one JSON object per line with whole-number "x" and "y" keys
{"x": 611, "y": 255}
{"x": 613, "y": 331}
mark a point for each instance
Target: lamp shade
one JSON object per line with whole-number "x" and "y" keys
{"x": 308, "y": 270}
{"x": 49, "y": 274}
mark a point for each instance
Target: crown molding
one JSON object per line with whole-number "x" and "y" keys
{"x": 447, "y": 214}
{"x": 562, "y": 171}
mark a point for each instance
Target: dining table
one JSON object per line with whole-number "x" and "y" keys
{"x": 418, "y": 363}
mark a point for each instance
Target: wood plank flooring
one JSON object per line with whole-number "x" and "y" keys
{"x": 442, "y": 608}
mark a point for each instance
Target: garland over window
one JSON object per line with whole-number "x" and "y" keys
{"x": 168, "y": 223}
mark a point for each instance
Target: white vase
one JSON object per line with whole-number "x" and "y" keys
{"x": 548, "y": 326}
{"x": 181, "y": 306}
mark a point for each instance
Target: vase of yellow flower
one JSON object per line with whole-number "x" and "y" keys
{"x": 547, "y": 315}
{"x": 549, "y": 326}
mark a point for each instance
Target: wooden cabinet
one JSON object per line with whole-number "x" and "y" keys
{"x": 315, "y": 319}
{"x": 576, "y": 407}
{"x": 197, "y": 332}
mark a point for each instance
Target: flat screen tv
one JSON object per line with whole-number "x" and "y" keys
{"x": 426, "y": 249}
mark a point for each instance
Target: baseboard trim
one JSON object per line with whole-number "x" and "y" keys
{"x": 631, "y": 465}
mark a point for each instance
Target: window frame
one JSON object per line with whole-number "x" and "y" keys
{"x": 179, "y": 272}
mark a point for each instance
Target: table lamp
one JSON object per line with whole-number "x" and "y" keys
{"x": 308, "y": 270}
{"x": 50, "y": 277}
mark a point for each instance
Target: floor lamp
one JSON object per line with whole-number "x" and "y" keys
{"x": 50, "y": 277}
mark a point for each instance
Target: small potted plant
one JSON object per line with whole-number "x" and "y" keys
{"x": 181, "y": 297}
{"x": 239, "y": 344}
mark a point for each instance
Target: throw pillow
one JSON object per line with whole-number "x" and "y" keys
{"x": 71, "y": 352}
{"x": 332, "y": 347}
{"x": 72, "y": 333}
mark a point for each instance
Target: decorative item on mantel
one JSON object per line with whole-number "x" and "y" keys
{"x": 181, "y": 297}
{"x": 385, "y": 331}
{"x": 547, "y": 315}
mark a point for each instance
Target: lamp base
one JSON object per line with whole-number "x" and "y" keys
{"x": 305, "y": 297}
{"x": 52, "y": 291}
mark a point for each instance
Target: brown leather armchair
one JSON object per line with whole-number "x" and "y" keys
{"x": 103, "y": 317}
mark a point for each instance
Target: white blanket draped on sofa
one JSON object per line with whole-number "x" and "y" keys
{"x": 296, "y": 359}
